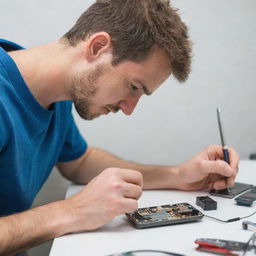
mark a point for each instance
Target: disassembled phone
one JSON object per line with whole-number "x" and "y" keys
{"x": 164, "y": 215}
{"x": 247, "y": 198}
{"x": 237, "y": 189}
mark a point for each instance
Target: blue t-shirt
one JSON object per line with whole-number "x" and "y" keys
{"x": 32, "y": 138}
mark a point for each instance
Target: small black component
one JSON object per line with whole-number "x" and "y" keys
{"x": 206, "y": 203}
{"x": 247, "y": 198}
{"x": 253, "y": 156}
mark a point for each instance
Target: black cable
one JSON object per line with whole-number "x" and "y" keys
{"x": 132, "y": 253}
{"x": 248, "y": 215}
{"x": 158, "y": 251}
{"x": 230, "y": 220}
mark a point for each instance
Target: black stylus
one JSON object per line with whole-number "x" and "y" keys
{"x": 224, "y": 148}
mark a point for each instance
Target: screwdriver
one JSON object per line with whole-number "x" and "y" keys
{"x": 224, "y": 148}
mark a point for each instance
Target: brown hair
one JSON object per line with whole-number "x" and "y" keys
{"x": 135, "y": 26}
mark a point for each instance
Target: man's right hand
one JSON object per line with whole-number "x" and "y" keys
{"x": 113, "y": 192}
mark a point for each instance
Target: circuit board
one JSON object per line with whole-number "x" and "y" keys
{"x": 164, "y": 215}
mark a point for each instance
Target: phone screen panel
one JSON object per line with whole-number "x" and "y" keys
{"x": 237, "y": 189}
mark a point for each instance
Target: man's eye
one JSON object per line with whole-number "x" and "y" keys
{"x": 134, "y": 88}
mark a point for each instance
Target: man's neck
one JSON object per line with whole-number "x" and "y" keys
{"x": 45, "y": 71}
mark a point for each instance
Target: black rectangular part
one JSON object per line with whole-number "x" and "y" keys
{"x": 206, "y": 203}
{"x": 237, "y": 189}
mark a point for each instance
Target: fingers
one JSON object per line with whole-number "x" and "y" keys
{"x": 219, "y": 167}
{"x": 231, "y": 180}
{"x": 128, "y": 205}
{"x": 234, "y": 158}
{"x": 115, "y": 191}
{"x": 132, "y": 176}
{"x": 222, "y": 168}
{"x": 126, "y": 189}
{"x": 216, "y": 152}
{"x": 125, "y": 182}
{"x": 132, "y": 191}
{"x": 220, "y": 184}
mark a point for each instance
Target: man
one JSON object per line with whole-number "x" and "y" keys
{"x": 117, "y": 51}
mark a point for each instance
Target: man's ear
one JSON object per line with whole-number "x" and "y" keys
{"x": 97, "y": 44}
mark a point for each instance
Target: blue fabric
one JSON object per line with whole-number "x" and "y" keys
{"x": 32, "y": 138}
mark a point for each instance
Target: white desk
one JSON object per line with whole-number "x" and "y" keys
{"x": 119, "y": 235}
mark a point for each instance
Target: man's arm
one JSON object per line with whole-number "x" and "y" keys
{"x": 111, "y": 193}
{"x": 22, "y": 231}
{"x": 205, "y": 170}
{"x": 95, "y": 160}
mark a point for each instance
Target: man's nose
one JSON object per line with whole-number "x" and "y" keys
{"x": 129, "y": 104}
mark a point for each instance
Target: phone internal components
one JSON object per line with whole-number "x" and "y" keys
{"x": 164, "y": 215}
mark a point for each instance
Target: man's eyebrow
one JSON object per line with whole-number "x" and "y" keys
{"x": 144, "y": 88}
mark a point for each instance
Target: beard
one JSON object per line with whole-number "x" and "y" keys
{"x": 83, "y": 90}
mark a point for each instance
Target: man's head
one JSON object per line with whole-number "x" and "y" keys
{"x": 117, "y": 33}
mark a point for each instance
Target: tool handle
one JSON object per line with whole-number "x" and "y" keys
{"x": 226, "y": 155}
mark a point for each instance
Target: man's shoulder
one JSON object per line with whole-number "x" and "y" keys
{"x": 4, "y": 112}
{"x": 5, "y": 46}
{"x": 6, "y": 86}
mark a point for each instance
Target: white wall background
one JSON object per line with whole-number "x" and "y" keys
{"x": 178, "y": 120}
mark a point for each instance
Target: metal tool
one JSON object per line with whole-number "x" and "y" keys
{"x": 224, "y": 148}
{"x": 223, "y": 247}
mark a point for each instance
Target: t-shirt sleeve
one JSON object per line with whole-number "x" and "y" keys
{"x": 2, "y": 131}
{"x": 2, "y": 136}
{"x": 74, "y": 145}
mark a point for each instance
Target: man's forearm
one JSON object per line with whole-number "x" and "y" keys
{"x": 22, "y": 231}
{"x": 96, "y": 160}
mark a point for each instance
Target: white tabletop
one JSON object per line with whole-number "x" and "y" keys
{"x": 119, "y": 235}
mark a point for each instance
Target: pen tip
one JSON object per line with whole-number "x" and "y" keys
{"x": 218, "y": 110}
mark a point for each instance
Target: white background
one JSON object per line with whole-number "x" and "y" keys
{"x": 178, "y": 120}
